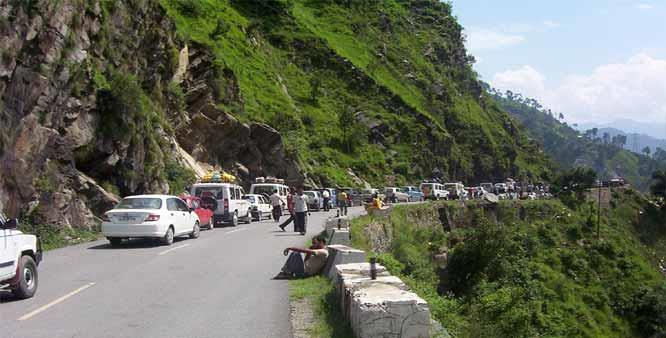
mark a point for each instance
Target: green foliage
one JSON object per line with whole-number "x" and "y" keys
{"x": 571, "y": 185}
{"x": 299, "y": 65}
{"x": 659, "y": 187}
{"x": 53, "y": 238}
{"x": 320, "y": 293}
{"x": 536, "y": 271}
{"x": 179, "y": 177}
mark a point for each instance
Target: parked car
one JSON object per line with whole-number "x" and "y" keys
{"x": 501, "y": 188}
{"x": 394, "y": 195}
{"x": 203, "y": 208}
{"x": 150, "y": 216}
{"x": 355, "y": 195}
{"x": 456, "y": 191}
{"x": 260, "y": 206}
{"x": 433, "y": 191}
{"x": 488, "y": 187}
{"x": 315, "y": 200}
{"x": 366, "y": 195}
{"x": 230, "y": 206}
{"x": 264, "y": 187}
{"x": 415, "y": 194}
{"x": 480, "y": 191}
{"x": 20, "y": 254}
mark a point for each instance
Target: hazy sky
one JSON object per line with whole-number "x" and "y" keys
{"x": 593, "y": 60}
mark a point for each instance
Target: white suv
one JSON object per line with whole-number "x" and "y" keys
{"x": 230, "y": 206}
{"x": 19, "y": 256}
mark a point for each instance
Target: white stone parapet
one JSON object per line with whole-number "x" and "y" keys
{"x": 341, "y": 237}
{"x": 341, "y": 254}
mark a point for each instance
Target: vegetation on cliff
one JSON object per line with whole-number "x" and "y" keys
{"x": 399, "y": 68}
{"x": 526, "y": 269}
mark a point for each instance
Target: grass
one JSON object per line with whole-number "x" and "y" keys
{"x": 52, "y": 238}
{"x": 321, "y": 294}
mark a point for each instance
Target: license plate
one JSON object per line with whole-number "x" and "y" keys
{"x": 126, "y": 218}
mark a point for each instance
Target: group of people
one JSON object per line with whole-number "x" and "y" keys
{"x": 297, "y": 205}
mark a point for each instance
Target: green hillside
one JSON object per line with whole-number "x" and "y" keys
{"x": 529, "y": 269}
{"x": 385, "y": 88}
{"x": 569, "y": 148}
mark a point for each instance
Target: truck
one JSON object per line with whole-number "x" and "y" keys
{"x": 20, "y": 254}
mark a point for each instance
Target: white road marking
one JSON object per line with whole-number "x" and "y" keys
{"x": 59, "y": 300}
{"x": 172, "y": 249}
{"x": 237, "y": 230}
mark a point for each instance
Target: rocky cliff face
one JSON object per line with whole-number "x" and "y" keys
{"x": 99, "y": 99}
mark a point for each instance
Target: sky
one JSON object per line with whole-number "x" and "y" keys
{"x": 595, "y": 61}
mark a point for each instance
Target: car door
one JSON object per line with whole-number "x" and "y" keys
{"x": 244, "y": 204}
{"x": 188, "y": 217}
{"x": 7, "y": 251}
{"x": 176, "y": 215}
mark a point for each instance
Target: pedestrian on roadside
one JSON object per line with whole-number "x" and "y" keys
{"x": 276, "y": 203}
{"x": 298, "y": 267}
{"x": 290, "y": 207}
{"x": 342, "y": 203}
{"x": 300, "y": 209}
{"x": 327, "y": 199}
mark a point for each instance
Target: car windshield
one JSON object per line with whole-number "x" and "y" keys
{"x": 252, "y": 199}
{"x": 215, "y": 192}
{"x": 263, "y": 189}
{"x": 140, "y": 203}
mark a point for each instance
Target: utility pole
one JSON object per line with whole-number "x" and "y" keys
{"x": 599, "y": 210}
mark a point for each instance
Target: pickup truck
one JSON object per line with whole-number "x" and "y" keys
{"x": 19, "y": 256}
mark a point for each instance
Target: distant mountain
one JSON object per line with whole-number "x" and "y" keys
{"x": 656, "y": 129}
{"x": 570, "y": 148}
{"x": 635, "y": 142}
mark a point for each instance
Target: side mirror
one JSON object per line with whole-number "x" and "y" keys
{"x": 11, "y": 224}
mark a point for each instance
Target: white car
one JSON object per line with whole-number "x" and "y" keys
{"x": 150, "y": 216}
{"x": 267, "y": 189}
{"x": 315, "y": 200}
{"x": 230, "y": 206}
{"x": 434, "y": 191}
{"x": 261, "y": 207}
{"x": 19, "y": 256}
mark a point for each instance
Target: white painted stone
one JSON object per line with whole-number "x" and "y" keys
{"x": 341, "y": 254}
{"x": 332, "y": 223}
{"x": 379, "y": 310}
{"x": 340, "y": 237}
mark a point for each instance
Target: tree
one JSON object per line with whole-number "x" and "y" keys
{"x": 659, "y": 155}
{"x": 561, "y": 116}
{"x": 571, "y": 186}
{"x": 659, "y": 187}
{"x": 646, "y": 151}
{"x": 606, "y": 138}
{"x": 315, "y": 86}
{"x": 595, "y": 131}
{"x": 347, "y": 123}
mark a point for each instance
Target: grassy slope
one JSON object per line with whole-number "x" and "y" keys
{"x": 546, "y": 275}
{"x": 278, "y": 49}
{"x": 321, "y": 294}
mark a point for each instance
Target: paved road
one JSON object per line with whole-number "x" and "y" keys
{"x": 218, "y": 285}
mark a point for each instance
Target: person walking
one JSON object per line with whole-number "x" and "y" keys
{"x": 342, "y": 203}
{"x": 276, "y": 203}
{"x": 327, "y": 199}
{"x": 290, "y": 207}
{"x": 300, "y": 209}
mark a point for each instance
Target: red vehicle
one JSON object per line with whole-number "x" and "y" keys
{"x": 203, "y": 207}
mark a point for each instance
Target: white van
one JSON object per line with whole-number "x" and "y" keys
{"x": 433, "y": 191}
{"x": 456, "y": 190}
{"x": 268, "y": 188}
{"x": 230, "y": 206}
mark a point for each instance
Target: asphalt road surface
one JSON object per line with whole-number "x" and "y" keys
{"x": 219, "y": 285}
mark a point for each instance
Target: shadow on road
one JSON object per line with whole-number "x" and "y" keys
{"x": 7, "y": 296}
{"x": 280, "y": 234}
{"x": 139, "y": 243}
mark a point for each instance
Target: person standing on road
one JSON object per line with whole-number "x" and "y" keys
{"x": 290, "y": 207}
{"x": 276, "y": 203}
{"x": 300, "y": 209}
{"x": 327, "y": 199}
{"x": 342, "y": 203}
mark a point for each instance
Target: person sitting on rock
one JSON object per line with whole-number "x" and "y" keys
{"x": 297, "y": 267}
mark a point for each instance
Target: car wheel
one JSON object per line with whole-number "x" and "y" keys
{"x": 248, "y": 219}
{"x": 168, "y": 237}
{"x": 196, "y": 231}
{"x": 27, "y": 278}
{"x": 211, "y": 224}
{"x": 260, "y": 216}
{"x": 115, "y": 241}
{"x": 234, "y": 219}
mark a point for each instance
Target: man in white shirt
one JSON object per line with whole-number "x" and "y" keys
{"x": 300, "y": 209}
{"x": 276, "y": 203}
{"x": 327, "y": 199}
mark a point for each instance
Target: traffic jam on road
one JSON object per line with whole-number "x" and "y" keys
{"x": 217, "y": 200}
